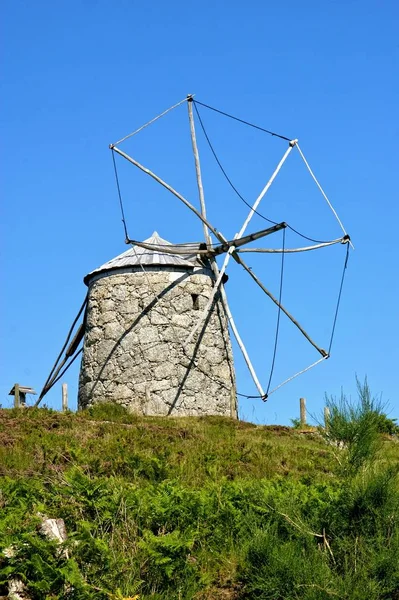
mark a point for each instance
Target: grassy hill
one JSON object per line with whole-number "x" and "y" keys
{"x": 196, "y": 508}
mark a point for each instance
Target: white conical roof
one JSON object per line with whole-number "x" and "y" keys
{"x": 137, "y": 256}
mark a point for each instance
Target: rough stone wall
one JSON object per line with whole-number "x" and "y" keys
{"x": 133, "y": 350}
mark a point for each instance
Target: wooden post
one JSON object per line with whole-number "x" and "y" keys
{"x": 302, "y": 406}
{"x": 16, "y": 395}
{"x": 64, "y": 397}
{"x": 326, "y": 416}
{"x": 233, "y": 403}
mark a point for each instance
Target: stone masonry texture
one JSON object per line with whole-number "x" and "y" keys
{"x": 133, "y": 353}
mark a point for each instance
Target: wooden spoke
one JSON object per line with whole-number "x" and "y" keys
{"x": 284, "y": 310}
{"x": 169, "y": 188}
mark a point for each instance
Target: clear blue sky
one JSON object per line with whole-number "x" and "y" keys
{"x": 78, "y": 75}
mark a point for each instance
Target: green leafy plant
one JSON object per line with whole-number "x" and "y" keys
{"x": 356, "y": 426}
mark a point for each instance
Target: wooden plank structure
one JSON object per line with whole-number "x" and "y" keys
{"x": 19, "y": 392}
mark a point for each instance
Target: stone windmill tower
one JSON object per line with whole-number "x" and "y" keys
{"x": 155, "y": 335}
{"x": 140, "y": 307}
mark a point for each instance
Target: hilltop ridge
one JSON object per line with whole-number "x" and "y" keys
{"x": 190, "y": 508}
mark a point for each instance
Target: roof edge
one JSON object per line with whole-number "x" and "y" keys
{"x": 139, "y": 268}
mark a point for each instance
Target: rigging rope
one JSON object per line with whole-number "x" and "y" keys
{"x": 223, "y": 170}
{"x": 45, "y": 387}
{"x": 221, "y": 112}
{"x": 120, "y": 195}
{"x": 339, "y": 297}
{"x": 236, "y": 190}
{"x": 278, "y": 318}
{"x": 65, "y": 369}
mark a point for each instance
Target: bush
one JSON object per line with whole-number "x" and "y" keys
{"x": 356, "y": 426}
{"x": 109, "y": 411}
{"x": 280, "y": 567}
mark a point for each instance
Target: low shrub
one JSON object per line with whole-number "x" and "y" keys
{"x": 356, "y": 426}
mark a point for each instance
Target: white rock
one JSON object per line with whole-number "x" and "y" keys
{"x": 113, "y": 331}
{"x": 184, "y": 321}
{"x": 165, "y": 370}
{"x": 148, "y": 334}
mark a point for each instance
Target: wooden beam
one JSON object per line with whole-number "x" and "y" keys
{"x": 302, "y": 410}
{"x": 51, "y": 376}
{"x": 198, "y": 169}
{"x": 252, "y": 212}
{"x": 148, "y": 123}
{"x": 168, "y": 187}
{"x": 240, "y": 343}
{"x": 213, "y": 262}
{"x": 172, "y": 249}
{"x": 190, "y": 248}
{"x": 290, "y": 250}
{"x": 77, "y": 338}
{"x": 285, "y": 311}
{"x": 238, "y": 242}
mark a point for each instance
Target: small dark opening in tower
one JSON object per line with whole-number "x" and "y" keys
{"x": 195, "y": 299}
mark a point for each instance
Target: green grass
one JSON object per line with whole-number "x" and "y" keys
{"x": 191, "y": 450}
{"x": 198, "y": 508}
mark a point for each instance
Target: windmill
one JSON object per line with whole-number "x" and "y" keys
{"x": 205, "y": 254}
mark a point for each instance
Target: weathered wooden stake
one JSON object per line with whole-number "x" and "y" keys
{"x": 16, "y": 395}
{"x": 64, "y": 397}
{"x": 326, "y": 416}
{"x": 233, "y": 404}
{"x": 302, "y": 406}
